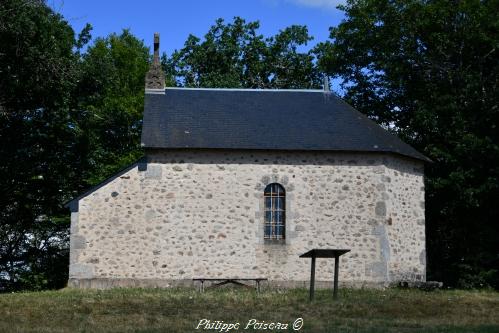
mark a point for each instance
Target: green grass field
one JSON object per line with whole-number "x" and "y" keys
{"x": 180, "y": 310}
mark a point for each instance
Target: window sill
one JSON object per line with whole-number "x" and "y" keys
{"x": 274, "y": 241}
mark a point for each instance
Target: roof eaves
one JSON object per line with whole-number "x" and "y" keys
{"x": 73, "y": 203}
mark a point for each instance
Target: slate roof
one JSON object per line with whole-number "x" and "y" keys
{"x": 262, "y": 119}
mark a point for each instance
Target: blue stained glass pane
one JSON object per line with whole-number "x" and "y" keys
{"x": 279, "y": 230}
{"x": 279, "y": 203}
{"x": 268, "y": 216}
{"x": 268, "y": 201}
{"x": 279, "y": 217}
{"x": 268, "y": 230}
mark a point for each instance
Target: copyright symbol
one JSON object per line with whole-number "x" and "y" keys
{"x": 298, "y": 324}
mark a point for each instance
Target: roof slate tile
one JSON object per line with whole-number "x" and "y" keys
{"x": 262, "y": 119}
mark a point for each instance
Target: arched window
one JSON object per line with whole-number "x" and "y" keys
{"x": 275, "y": 212}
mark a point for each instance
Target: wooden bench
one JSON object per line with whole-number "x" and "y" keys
{"x": 229, "y": 280}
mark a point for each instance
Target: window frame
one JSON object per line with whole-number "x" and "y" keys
{"x": 274, "y": 214}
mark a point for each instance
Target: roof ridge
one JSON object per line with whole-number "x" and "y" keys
{"x": 249, "y": 89}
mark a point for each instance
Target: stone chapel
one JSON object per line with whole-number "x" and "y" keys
{"x": 240, "y": 182}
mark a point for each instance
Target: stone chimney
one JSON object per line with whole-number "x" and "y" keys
{"x": 155, "y": 78}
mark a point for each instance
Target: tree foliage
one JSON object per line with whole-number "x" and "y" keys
{"x": 67, "y": 120}
{"x": 235, "y": 55}
{"x": 37, "y": 77}
{"x": 430, "y": 70}
{"x": 111, "y": 93}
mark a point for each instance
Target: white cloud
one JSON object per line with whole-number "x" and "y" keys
{"x": 324, "y": 4}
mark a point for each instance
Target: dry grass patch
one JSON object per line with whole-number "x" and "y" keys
{"x": 180, "y": 310}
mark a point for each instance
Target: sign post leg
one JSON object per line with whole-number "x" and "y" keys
{"x": 336, "y": 270}
{"x": 312, "y": 279}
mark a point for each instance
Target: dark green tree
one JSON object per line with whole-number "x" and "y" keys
{"x": 38, "y": 72}
{"x": 111, "y": 101}
{"x": 430, "y": 70}
{"x": 67, "y": 120}
{"x": 235, "y": 55}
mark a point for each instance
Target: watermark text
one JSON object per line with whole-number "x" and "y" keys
{"x": 252, "y": 324}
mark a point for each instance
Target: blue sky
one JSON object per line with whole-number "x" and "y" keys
{"x": 175, "y": 20}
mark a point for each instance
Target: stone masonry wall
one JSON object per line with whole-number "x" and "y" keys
{"x": 200, "y": 214}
